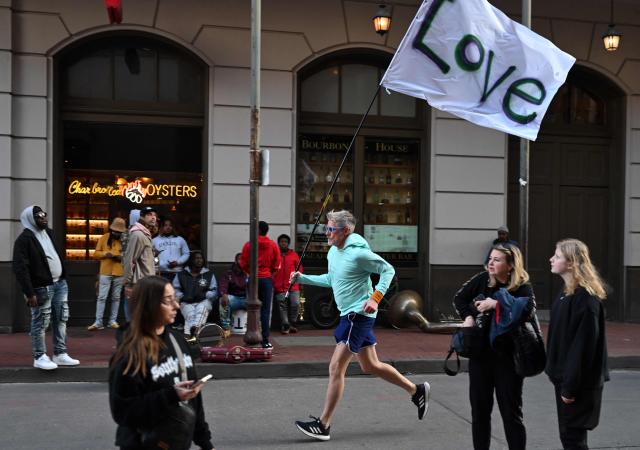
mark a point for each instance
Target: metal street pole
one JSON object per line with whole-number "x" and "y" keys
{"x": 524, "y": 166}
{"x": 253, "y": 336}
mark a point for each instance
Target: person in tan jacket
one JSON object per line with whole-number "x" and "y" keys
{"x": 109, "y": 252}
{"x": 138, "y": 258}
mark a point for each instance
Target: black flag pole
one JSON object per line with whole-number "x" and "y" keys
{"x": 327, "y": 197}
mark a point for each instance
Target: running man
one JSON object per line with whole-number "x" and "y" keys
{"x": 351, "y": 262}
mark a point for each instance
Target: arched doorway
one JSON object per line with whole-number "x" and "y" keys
{"x": 386, "y": 180}
{"x": 575, "y": 183}
{"x": 129, "y": 131}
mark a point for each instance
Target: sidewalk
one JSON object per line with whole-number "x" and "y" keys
{"x": 306, "y": 353}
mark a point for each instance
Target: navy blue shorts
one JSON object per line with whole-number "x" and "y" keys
{"x": 356, "y": 331}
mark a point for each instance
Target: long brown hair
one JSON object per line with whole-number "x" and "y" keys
{"x": 584, "y": 272}
{"x": 141, "y": 343}
{"x": 517, "y": 276}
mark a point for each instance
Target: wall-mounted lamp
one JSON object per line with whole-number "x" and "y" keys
{"x": 382, "y": 20}
{"x": 612, "y": 38}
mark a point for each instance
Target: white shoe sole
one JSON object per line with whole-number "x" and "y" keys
{"x": 45, "y": 368}
{"x": 427, "y": 392}
{"x": 315, "y": 436}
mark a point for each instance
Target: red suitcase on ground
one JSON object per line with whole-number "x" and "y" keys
{"x": 235, "y": 354}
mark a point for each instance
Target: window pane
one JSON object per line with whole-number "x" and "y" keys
{"x": 135, "y": 70}
{"x": 359, "y": 84}
{"x": 319, "y": 157}
{"x": 90, "y": 77}
{"x": 585, "y": 109}
{"x": 397, "y": 104}
{"x": 391, "y": 197}
{"x": 180, "y": 80}
{"x": 320, "y": 91}
{"x": 111, "y": 169}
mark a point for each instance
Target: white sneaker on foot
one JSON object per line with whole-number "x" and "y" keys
{"x": 44, "y": 363}
{"x": 63, "y": 359}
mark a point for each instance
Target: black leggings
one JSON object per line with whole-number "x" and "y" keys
{"x": 486, "y": 374}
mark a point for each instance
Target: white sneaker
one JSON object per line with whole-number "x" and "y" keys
{"x": 44, "y": 363}
{"x": 64, "y": 359}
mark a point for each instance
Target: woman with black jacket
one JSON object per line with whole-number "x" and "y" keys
{"x": 145, "y": 372}
{"x": 493, "y": 369}
{"x": 576, "y": 344}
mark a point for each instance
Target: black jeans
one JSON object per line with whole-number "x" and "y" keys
{"x": 265, "y": 294}
{"x": 486, "y": 374}
{"x": 576, "y": 418}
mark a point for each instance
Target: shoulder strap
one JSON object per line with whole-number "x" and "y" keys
{"x": 448, "y": 371}
{"x": 176, "y": 347}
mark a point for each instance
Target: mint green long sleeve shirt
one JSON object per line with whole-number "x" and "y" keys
{"x": 349, "y": 274}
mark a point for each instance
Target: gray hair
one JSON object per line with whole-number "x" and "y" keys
{"x": 342, "y": 218}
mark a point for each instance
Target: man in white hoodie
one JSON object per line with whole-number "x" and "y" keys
{"x": 37, "y": 265}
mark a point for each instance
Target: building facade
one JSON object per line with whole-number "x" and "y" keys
{"x": 96, "y": 119}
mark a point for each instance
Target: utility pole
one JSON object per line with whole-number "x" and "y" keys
{"x": 524, "y": 166}
{"x": 253, "y": 336}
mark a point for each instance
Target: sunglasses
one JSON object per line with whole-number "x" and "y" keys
{"x": 332, "y": 229}
{"x": 40, "y": 214}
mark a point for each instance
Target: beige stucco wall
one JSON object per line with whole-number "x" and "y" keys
{"x": 465, "y": 207}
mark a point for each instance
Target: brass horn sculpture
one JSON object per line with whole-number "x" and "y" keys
{"x": 404, "y": 310}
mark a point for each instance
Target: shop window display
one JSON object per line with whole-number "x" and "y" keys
{"x": 391, "y": 203}
{"x": 319, "y": 158}
{"x": 104, "y": 178}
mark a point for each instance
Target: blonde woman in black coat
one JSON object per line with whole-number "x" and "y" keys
{"x": 576, "y": 344}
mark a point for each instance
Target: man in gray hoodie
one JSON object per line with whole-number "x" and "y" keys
{"x": 37, "y": 265}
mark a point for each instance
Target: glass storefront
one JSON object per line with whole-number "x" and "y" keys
{"x": 319, "y": 158}
{"x": 391, "y": 197}
{"x": 388, "y": 205}
{"x": 111, "y": 169}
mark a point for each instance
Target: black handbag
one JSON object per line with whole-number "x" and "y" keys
{"x": 175, "y": 430}
{"x": 529, "y": 356}
{"x": 468, "y": 342}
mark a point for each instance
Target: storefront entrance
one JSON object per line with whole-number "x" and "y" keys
{"x": 130, "y": 121}
{"x": 385, "y": 179}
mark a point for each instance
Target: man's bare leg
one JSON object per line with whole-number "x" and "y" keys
{"x": 369, "y": 363}
{"x": 337, "y": 369}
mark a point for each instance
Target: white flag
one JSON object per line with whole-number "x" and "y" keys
{"x": 469, "y": 59}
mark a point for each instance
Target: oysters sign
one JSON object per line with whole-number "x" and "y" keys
{"x": 468, "y": 58}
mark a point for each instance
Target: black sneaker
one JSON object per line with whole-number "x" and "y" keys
{"x": 267, "y": 345}
{"x": 421, "y": 398}
{"x": 314, "y": 429}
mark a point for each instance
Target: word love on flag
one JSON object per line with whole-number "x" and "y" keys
{"x": 467, "y": 58}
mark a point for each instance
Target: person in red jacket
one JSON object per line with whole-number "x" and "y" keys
{"x": 268, "y": 265}
{"x": 290, "y": 259}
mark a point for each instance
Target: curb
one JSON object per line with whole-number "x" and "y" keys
{"x": 253, "y": 370}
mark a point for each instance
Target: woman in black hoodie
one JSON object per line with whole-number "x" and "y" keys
{"x": 576, "y": 344}
{"x": 144, "y": 375}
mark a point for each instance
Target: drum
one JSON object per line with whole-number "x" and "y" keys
{"x": 210, "y": 335}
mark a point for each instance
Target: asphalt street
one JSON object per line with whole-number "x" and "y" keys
{"x": 259, "y": 414}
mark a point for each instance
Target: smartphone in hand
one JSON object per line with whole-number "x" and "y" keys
{"x": 202, "y": 380}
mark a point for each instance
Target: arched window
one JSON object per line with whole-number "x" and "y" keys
{"x": 380, "y": 181}
{"x": 347, "y": 88}
{"x": 130, "y": 113}
{"x": 576, "y": 105}
{"x": 131, "y": 74}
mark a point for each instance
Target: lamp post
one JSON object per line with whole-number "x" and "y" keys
{"x": 252, "y": 336}
{"x": 382, "y": 20}
{"x": 612, "y": 38}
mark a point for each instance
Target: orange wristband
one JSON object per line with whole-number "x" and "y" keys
{"x": 377, "y": 296}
